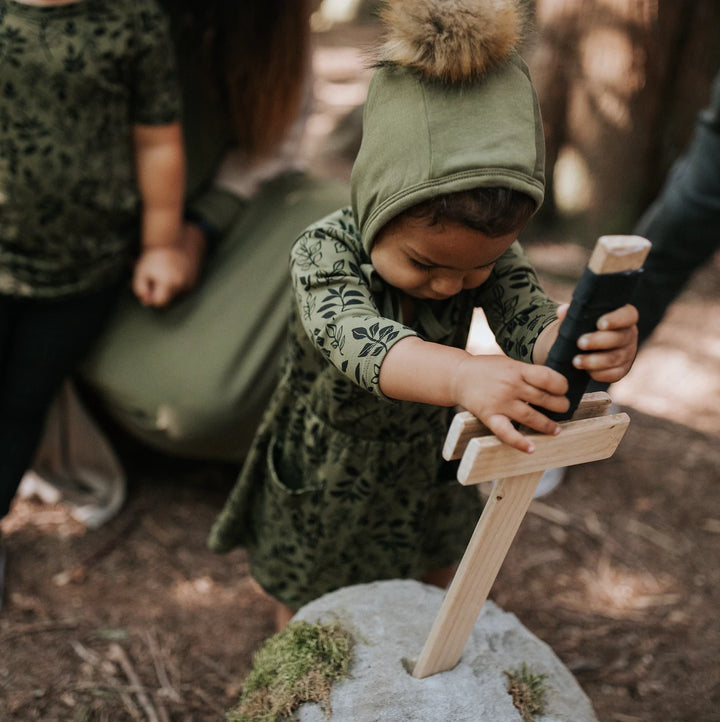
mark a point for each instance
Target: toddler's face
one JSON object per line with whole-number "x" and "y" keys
{"x": 435, "y": 262}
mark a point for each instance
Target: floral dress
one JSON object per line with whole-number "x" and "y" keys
{"x": 343, "y": 485}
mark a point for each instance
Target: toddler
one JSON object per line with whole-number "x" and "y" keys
{"x": 345, "y": 483}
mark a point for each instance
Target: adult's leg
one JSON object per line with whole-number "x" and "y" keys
{"x": 193, "y": 379}
{"x": 42, "y": 342}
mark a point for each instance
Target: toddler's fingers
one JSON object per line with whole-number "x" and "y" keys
{"x": 551, "y": 402}
{"x": 502, "y": 427}
{"x": 562, "y": 310}
{"x": 622, "y": 317}
{"x": 545, "y": 379}
{"x": 614, "y": 358}
{"x": 162, "y": 294}
{"x": 534, "y": 419}
{"x": 153, "y": 292}
{"x": 602, "y": 340}
{"x": 609, "y": 375}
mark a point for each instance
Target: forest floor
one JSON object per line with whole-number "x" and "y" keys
{"x": 618, "y": 570}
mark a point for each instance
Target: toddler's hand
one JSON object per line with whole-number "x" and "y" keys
{"x": 613, "y": 346}
{"x": 161, "y": 273}
{"x": 500, "y": 391}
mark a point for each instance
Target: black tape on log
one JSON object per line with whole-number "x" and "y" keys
{"x": 594, "y": 295}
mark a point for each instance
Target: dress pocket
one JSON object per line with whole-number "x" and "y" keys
{"x": 285, "y": 474}
{"x": 286, "y": 513}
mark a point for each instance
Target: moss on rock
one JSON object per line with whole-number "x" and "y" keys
{"x": 528, "y": 690}
{"x": 295, "y": 666}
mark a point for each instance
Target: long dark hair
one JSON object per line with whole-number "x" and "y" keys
{"x": 256, "y": 55}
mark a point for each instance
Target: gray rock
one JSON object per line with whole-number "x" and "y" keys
{"x": 391, "y": 620}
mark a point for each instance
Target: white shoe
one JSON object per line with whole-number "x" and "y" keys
{"x": 33, "y": 485}
{"x": 549, "y": 481}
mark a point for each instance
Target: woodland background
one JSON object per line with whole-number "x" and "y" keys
{"x": 618, "y": 570}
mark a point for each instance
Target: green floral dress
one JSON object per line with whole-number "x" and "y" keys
{"x": 74, "y": 79}
{"x": 343, "y": 485}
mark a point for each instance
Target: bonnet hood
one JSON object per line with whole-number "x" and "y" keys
{"x": 450, "y": 107}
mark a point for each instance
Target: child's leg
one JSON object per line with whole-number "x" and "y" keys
{"x": 440, "y": 577}
{"x": 283, "y": 616}
{"x": 41, "y": 344}
{"x": 283, "y": 613}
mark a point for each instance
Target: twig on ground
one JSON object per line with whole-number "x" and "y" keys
{"x": 166, "y": 688}
{"x": 162, "y": 712}
{"x": 38, "y": 628}
{"x": 589, "y": 525}
{"x": 95, "y": 662}
{"x": 654, "y": 536}
{"x": 117, "y": 654}
{"x": 218, "y": 668}
{"x": 550, "y": 513}
{"x": 78, "y": 573}
{"x": 209, "y": 701}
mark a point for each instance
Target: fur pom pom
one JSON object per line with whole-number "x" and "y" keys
{"x": 452, "y": 41}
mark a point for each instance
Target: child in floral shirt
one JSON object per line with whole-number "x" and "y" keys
{"x": 344, "y": 483}
{"x": 91, "y": 163}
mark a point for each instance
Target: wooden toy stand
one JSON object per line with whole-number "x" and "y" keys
{"x": 589, "y": 436}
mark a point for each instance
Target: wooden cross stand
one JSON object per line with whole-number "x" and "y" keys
{"x": 590, "y": 435}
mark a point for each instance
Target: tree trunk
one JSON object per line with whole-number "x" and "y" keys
{"x": 620, "y": 83}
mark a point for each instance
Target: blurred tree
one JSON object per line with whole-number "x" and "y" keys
{"x": 620, "y": 82}
{"x": 330, "y": 12}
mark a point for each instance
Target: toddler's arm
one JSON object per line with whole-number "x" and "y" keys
{"x": 496, "y": 389}
{"x": 163, "y": 269}
{"x": 499, "y": 390}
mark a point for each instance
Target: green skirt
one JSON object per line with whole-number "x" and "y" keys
{"x": 318, "y": 508}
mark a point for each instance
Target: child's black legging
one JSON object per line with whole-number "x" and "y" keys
{"x": 41, "y": 341}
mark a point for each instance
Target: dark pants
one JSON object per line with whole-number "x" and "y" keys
{"x": 683, "y": 224}
{"x": 41, "y": 341}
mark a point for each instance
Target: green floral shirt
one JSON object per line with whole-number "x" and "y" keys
{"x": 74, "y": 79}
{"x": 353, "y": 317}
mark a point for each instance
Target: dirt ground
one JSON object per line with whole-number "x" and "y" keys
{"x": 618, "y": 570}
